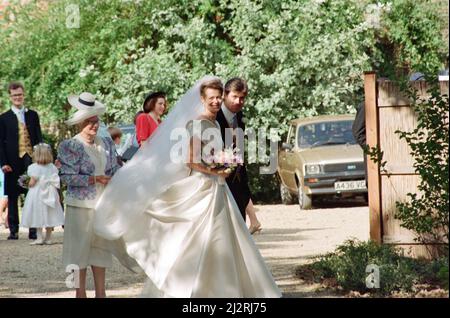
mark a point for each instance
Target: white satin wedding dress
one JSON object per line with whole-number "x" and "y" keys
{"x": 193, "y": 242}
{"x": 182, "y": 227}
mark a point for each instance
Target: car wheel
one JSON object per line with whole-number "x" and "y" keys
{"x": 304, "y": 200}
{"x": 286, "y": 196}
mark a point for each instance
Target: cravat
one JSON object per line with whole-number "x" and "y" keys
{"x": 21, "y": 115}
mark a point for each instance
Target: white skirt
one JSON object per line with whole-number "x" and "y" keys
{"x": 81, "y": 246}
{"x": 36, "y": 213}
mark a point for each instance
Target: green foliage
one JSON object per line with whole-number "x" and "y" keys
{"x": 301, "y": 58}
{"x": 443, "y": 275}
{"x": 427, "y": 213}
{"x": 408, "y": 23}
{"x": 376, "y": 155}
{"x": 397, "y": 273}
{"x": 51, "y": 140}
{"x": 264, "y": 187}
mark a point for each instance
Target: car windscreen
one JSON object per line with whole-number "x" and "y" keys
{"x": 325, "y": 134}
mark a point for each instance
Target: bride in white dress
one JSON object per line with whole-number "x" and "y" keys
{"x": 178, "y": 221}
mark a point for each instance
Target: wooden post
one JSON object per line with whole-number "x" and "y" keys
{"x": 373, "y": 169}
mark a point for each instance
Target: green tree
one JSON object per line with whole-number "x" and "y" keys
{"x": 301, "y": 58}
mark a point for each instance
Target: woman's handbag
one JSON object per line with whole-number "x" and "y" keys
{"x": 129, "y": 153}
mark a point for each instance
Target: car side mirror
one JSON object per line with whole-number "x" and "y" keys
{"x": 286, "y": 146}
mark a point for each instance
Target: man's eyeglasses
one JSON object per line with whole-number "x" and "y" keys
{"x": 16, "y": 95}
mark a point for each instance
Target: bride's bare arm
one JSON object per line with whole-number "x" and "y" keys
{"x": 195, "y": 148}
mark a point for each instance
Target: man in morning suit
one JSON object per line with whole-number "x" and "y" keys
{"x": 230, "y": 117}
{"x": 20, "y": 130}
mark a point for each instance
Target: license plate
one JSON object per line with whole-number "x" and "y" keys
{"x": 350, "y": 185}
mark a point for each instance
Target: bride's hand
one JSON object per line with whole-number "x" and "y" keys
{"x": 223, "y": 173}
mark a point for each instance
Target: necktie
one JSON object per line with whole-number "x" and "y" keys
{"x": 234, "y": 122}
{"x": 234, "y": 125}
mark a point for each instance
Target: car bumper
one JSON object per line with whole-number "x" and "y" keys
{"x": 324, "y": 183}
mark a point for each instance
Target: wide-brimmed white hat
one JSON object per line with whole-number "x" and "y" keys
{"x": 86, "y": 106}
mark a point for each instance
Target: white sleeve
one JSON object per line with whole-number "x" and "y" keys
{"x": 32, "y": 170}
{"x": 55, "y": 173}
{"x": 54, "y": 170}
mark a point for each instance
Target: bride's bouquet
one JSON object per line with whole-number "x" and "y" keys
{"x": 24, "y": 181}
{"x": 228, "y": 159}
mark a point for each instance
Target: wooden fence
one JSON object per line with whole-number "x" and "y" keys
{"x": 387, "y": 110}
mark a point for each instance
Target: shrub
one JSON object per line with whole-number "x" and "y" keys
{"x": 347, "y": 266}
{"x": 427, "y": 212}
{"x": 443, "y": 275}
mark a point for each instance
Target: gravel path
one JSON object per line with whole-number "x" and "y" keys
{"x": 290, "y": 237}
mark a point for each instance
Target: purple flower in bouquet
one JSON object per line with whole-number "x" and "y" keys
{"x": 24, "y": 180}
{"x": 227, "y": 159}
{"x": 210, "y": 160}
{"x": 238, "y": 159}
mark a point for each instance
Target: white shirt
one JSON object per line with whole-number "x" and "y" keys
{"x": 229, "y": 115}
{"x": 20, "y": 113}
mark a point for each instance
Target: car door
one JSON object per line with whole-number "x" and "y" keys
{"x": 287, "y": 161}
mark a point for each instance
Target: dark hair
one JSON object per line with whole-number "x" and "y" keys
{"x": 15, "y": 85}
{"x": 213, "y": 84}
{"x": 236, "y": 84}
{"x": 114, "y": 132}
{"x": 150, "y": 101}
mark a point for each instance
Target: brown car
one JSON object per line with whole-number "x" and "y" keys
{"x": 320, "y": 157}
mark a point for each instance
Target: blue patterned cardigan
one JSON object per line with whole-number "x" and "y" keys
{"x": 76, "y": 167}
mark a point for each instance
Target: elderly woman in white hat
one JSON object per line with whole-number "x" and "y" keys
{"x": 87, "y": 164}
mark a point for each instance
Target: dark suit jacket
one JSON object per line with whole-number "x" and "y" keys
{"x": 9, "y": 145}
{"x": 238, "y": 180}
{"x": 359, "y": 130}
{"x": 359, "y": 126}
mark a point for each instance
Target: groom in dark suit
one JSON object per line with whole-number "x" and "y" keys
{"x": 230, "y": 117}
{"x": 20, "y": 130}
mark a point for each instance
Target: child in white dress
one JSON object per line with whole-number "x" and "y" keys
{"x": 42, "y": 207}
